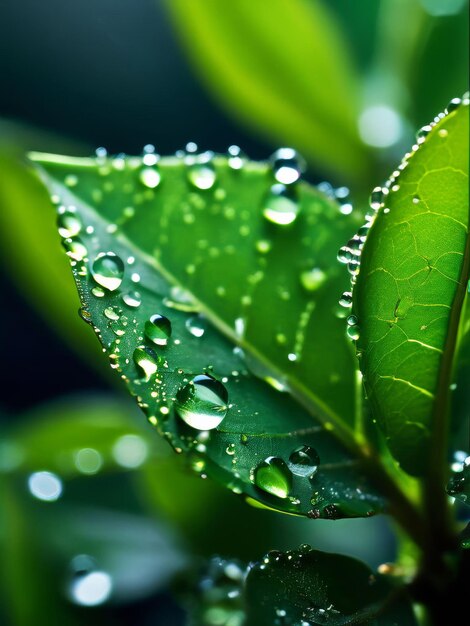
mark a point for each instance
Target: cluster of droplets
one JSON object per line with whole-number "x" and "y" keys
{"x": 350, "y": 254}
{"x": 276, "y": 476}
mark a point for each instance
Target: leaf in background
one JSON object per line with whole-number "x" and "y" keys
{"x": 410, "y": 291}
{"x": 284, "y": 71}
{"x": 182, "y": 259}
{"x": 31, "y": 252}
{"x": 322, "y": 588}
{"x": 72, "y": 437}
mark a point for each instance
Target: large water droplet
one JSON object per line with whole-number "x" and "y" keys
{"x": 158, "y": 329}
{"x": 304, "y": 461}
{"x": 346, "y": 299}
{"x": 281, "y": 205}
{"x": 202, "y": 403}
{"x": 108, "y": 270}
{"x": 287, "y": 165}
{"x": 273, "y": 476}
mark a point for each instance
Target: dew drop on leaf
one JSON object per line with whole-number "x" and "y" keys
{"x": 69, "y": 224}
{"x": 346, "y": 299}
{"x": 146, "y": 360}
{"x": 158, "y": 329}
{"x": 75, "y": 249}
{"x": 235, "y": 158}
{"x": 150, "y": 177}
{"x": 202, "y": 403}
{"x": 196, "y": 325}
{"x": 304, "y": 461}
{"x": 108, "y": 270}
{"x": 280, "y": 205}
{"x": 312, "y": 279}
{"x": 274, "y": 477}
{"x": 287, "y": 165}
{"x": 132, "y": 299}
{"x": 202, "y": 175}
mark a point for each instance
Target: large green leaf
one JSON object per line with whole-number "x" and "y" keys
{"x": 191, "y": 236}
{"x": 307, "y": 586}
{"x": 283, "y": 70}
{"x": 410, "y": 292}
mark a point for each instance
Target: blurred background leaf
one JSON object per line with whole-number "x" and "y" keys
{"x": 286, "y": 71}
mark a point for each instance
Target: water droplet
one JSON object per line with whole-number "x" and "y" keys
{"x": 263, "y": 246}
{"x": 235, "y": 158}
{"x": 180, "y": 300}
{"x": 202, "y": 175}
{"x": 353, "y": 332}
{"x": 287, "y": 165}
{"x": 98, "y": 292}
{"x": 108, "y": 270}
{"x": 202, "y": 403}
{"x": 112, "y": 313}
{"x": 344, "y": 255}
{"x": 196, "y": 325}
{"x": 132, "y": 299}
{"x": 69, "y": 224}
{"x": 346, "y": 299}
{"x": 45, "y": 486}
{"x": 304, "y": 461}
{"x": 147, "y": 360}
{"x": 312, "y": 279}
{"x": 75, "y": 249}
{"x": 453, "y": 104}
{"x": 376, "y": 198}
{"x": 158, "y": 329}
{"x": 150, "y": 177}
{"x": 281, "y": 205}
{"x": 273, "y": 476}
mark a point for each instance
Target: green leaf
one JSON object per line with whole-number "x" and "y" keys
{"x": 285, "y": 72}
{"x": 307, "y": 586}
{"x": 222, "y": 273}
{"x": 73, "y": 437}
{"x": 410, "y": 292}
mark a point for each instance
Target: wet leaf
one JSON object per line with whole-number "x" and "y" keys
{"x": 310, "y": 587}
{"x": 260, "y": 65}
{"x": 410, "y": 291}
{"x": 183, "y": 259}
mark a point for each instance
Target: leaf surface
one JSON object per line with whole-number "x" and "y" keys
{"x": 410, "y": 291}
{"x": 307, "y": 586}
{"x": 285, "y": 72}
{"x": 222, "y": 275}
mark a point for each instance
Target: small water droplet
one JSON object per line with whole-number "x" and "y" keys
{"x": 108, "y": 270}
{"x": 346, "y": 299}
{"x": 281, "y": 205}
{"x": 75, "y": 249}
{"x": 235, "y": 158}
{"x": 344, "y": 255}
{"x": 147, "y": 360}
{"x": 150, "y": 177}
{"x": 69, "y": 224}
{"x": 132, "y": 299}
{"x": 112, "y": 313}
{"x": 196, "y": 325}
{"x": 202, "y": 403}
{"x": 287, "y": 165}
{"x": 376, "y": 198}
{"x": 263, "y": 246}
{"x": 158, "y": 329}
{"x": 274, "y": 477}
{"x": 91, "y": 587}
{"x": 98, "y": 292}
{"x": 353, "y": 332}
{"x": 202, "y": 175}
{"x": 304, "y": 461}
